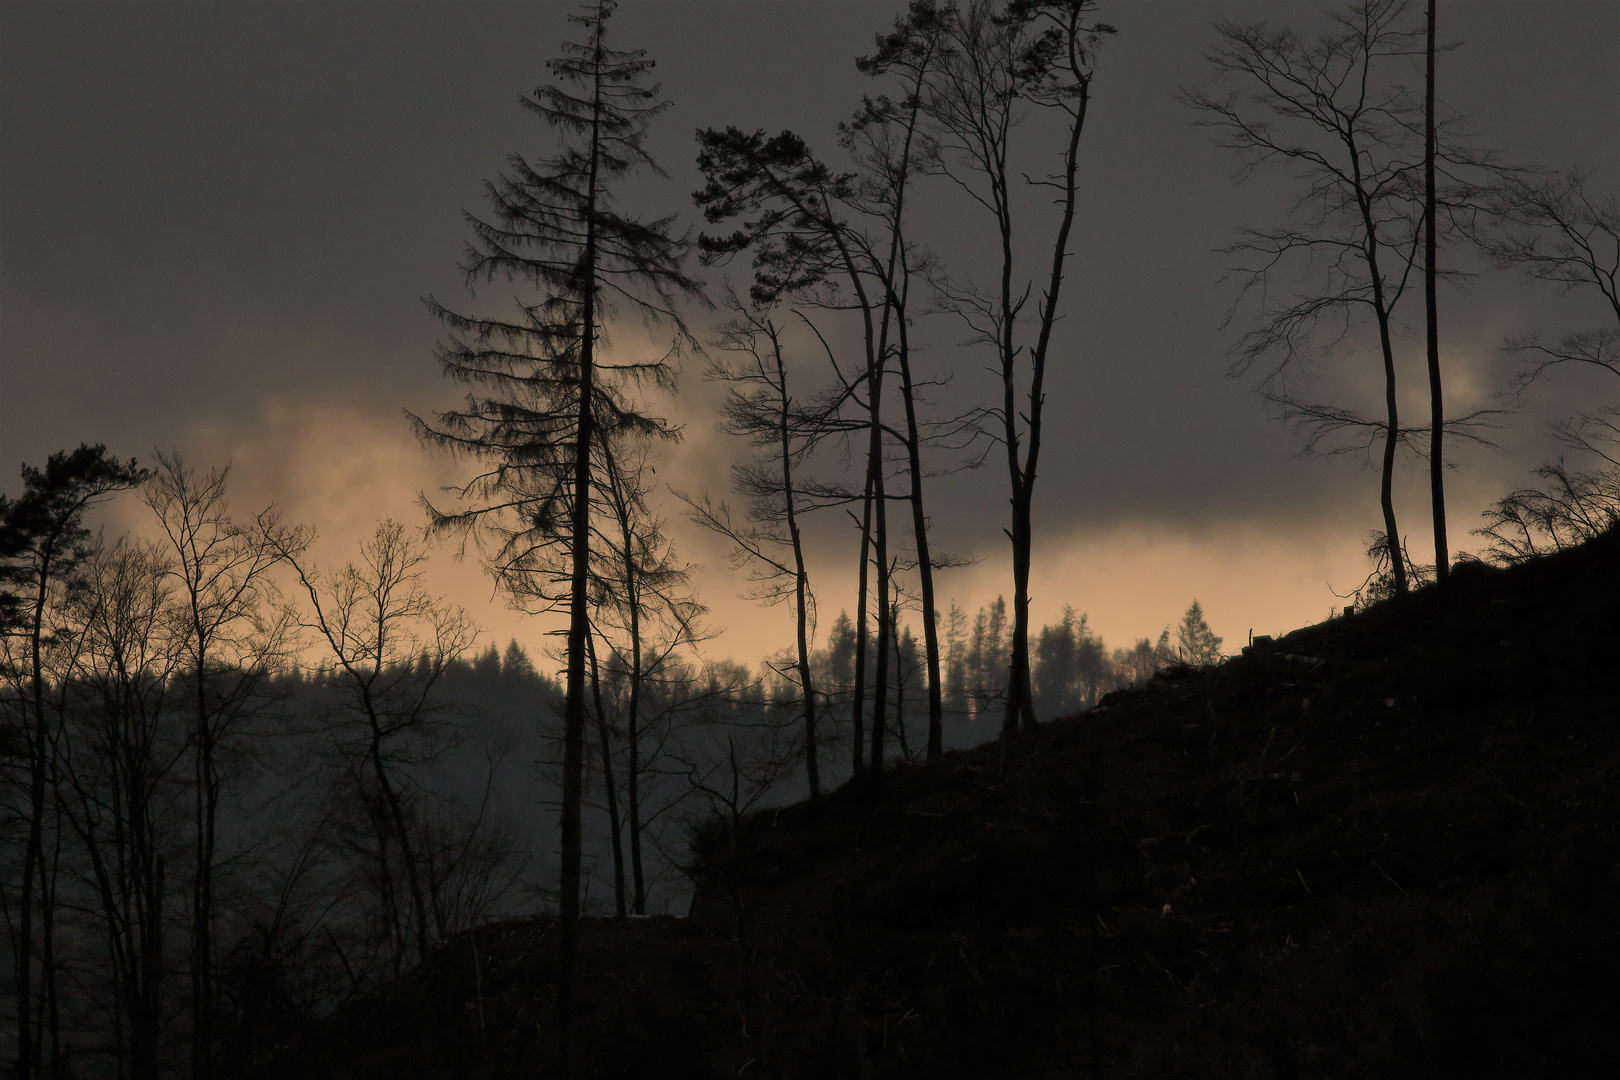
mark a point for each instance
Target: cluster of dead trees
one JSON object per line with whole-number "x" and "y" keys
{"x": 203, "y": 843}
{"x": 988, "y": 101}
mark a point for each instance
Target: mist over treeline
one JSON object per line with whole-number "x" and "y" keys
{"x": 332, "y": 769}
{"x": 249, "y": 780}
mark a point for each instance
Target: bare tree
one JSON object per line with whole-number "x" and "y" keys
{"x": 1330, "y": 108}
{"x": 795, "y": 220}
{"x": 1574, "y": 507}
{"x": 644, "y": 608}
{"x": 545, "y": 394}
{"x": 1431, "y": 307}
{"x": 761, "y": 408}
{"x": 231, "y": 641}
{"x": 1549, "y": 227}
{"x": 390, "y": 641}
{"x": 890, "y": 145}
{"x": 117, "y": 781}
{"x": 1338, "y": 110}
{"x": 1002, "y": 60}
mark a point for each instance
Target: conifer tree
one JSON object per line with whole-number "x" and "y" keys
{"x": 1197, "y": 642}
{"x": 42, "y": 539}
{"x": 545, "y": 400}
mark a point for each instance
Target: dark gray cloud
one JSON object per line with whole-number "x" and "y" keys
{"x": 207, "y": 210}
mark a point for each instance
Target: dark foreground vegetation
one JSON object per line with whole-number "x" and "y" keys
{"x": 1379, "y": 846}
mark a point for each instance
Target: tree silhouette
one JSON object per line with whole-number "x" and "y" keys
{"x": 221, "y": 571}
{"x": 794, "y": 217}
{"x": 760, "y": 407}
{"x": 1334, "y": 110}
{"x": 544, "y": 395}
{"x": 390, "y": 641}
{"x": 890, "y": 145}
{"x": 1001, "y": 61}
{"x": 1196, "y": 642}
{"x": 42, "y": 539}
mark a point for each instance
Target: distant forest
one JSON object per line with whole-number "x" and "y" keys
{"x": 243, "y": 787}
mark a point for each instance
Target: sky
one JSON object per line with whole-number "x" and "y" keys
{"x": 218, "y": 222}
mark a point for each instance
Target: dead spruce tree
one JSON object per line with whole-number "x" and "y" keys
{"x": 544, "y": 393}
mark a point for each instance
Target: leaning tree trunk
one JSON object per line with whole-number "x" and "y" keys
{"x": 607, "y": 782}
{"x": 801, "y": 587}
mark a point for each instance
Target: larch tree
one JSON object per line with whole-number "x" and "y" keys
{"x": 1003, "y": 60}
{"x": 543, "y": 396}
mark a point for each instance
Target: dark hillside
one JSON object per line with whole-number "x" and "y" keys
{"x": 1380, "y": 846}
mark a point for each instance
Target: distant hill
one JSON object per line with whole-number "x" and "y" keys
{"x": 1382, "y": 846}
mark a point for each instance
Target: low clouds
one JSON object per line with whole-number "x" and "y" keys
{"x": 218, "y": 221}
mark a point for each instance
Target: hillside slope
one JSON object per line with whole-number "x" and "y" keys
{"x": 1381, "y": 846}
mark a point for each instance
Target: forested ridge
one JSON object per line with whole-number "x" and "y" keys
{"x": 1378, "y": 846}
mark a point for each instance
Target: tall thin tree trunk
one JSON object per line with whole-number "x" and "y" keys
{"x": 1386, "y": 487}
{"x": 1020, "y": 705}
{"x": 607, "y": 781}
{"x": 52, "y": 1001}
{"x": 858, "y": 692}
{"x": 579, "y": 615}
{"x": 880, "y": 555}
{"x": 397, "y": 813}
{"x": 1392, "y": 427}
{"x": 925, "y": 567}
{"x": 633, "y": 782}
{"x": 899, "y": 680}
{"x": 202, "y": 887}
{"x": 1437, "y": 409}
{"x": 801, "y": 579}
{"x": 34, "y": 855}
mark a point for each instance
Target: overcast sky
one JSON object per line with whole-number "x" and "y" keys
{"x": 217, "y": 221}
